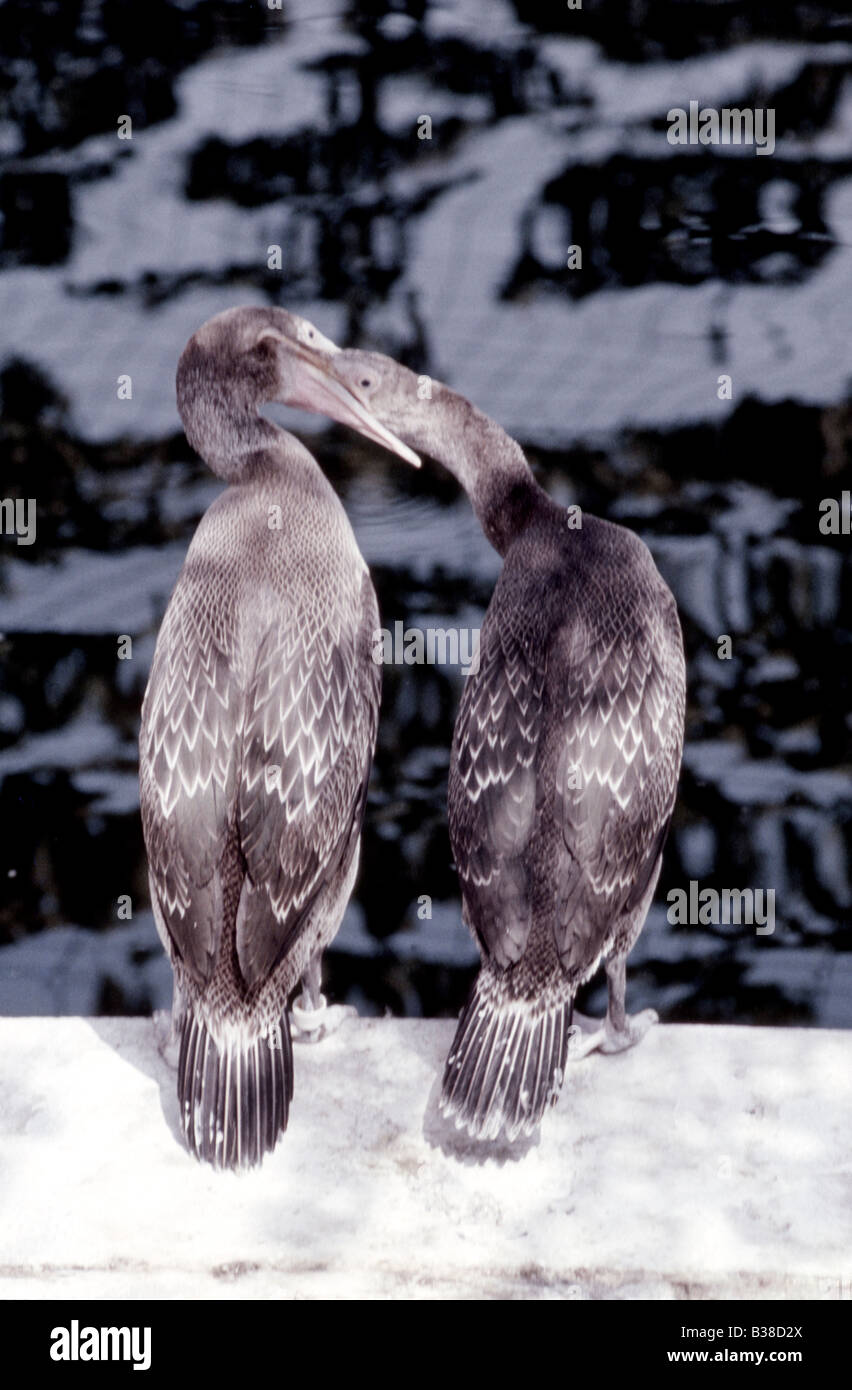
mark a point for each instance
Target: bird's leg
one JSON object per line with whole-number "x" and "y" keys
{"x": 623, "y": 1030}
{"x": 311, "y": 1014}
{"x": 167, "y": 1027}
{"x": 619, "y": 1030}
{"x": 308, "y": 1011}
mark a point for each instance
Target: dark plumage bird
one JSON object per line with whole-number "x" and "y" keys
{"x": 258, "y": 728}
{"x": 564, "y": 765}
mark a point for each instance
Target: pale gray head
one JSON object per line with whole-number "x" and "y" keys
{"x": 431, "y": 418}
{"x": 389, "y": 390}
{"x": 244, "y": 358}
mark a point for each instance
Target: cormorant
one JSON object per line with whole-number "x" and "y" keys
{"x": 564, "y": 765}
{"x": 258, "y": 728}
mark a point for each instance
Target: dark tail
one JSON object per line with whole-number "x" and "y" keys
{"x": 506, "y": 1063}
{"x": 234, "y": 1099}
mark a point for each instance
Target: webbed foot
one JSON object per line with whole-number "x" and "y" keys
{"x": 619, "y": 1030}
{"x": 633, "y": 1030}
{"x": 312, "y": 1023}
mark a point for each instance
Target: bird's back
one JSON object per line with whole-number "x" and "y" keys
{"x": 257, "y": 735}
{"x": 567, "y": 746}
{"x": 562, "y": 781}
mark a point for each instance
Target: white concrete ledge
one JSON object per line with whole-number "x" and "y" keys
{"x": 708, "y": 1162}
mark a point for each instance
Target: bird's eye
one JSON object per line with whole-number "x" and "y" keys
{"x": 365, "y": 381}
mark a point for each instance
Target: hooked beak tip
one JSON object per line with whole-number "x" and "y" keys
{"x": 410, "y": 456}
{"x": 324, "y": 392}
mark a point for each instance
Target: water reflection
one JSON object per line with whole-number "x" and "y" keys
{"x": 254, "y": 131}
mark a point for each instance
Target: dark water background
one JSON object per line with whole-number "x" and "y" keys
{"x": 254, "y": 127}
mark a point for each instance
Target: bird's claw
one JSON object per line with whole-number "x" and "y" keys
{"x": 311, "y": 1025}
{"x": 634, "y": 1030}
{"x": 589, "y": 1034}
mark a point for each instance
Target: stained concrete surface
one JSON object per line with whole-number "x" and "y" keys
{"x": 709, "y": 1162}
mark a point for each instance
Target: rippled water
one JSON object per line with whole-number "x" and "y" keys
{"x": 548, "y": 129}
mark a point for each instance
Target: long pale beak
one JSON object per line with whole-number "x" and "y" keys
{"x": 317, "y": 390}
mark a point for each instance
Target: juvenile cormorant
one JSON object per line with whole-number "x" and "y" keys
{"x": 258, "y": 728}
{"x": 564, "y": 764}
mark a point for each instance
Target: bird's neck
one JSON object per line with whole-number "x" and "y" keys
{"x": 229, "y": 435}
{"x": 488, "y": 463}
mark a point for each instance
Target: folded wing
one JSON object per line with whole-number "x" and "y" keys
{"x": 493, "y": 791}
{"x": 616, "y": 778}
{"x": 188, "y": 767}
{"x": 310, "y": 729}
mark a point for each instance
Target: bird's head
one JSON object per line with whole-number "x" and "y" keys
{"x": 435, "y": 420}
{"x": 246, "y": 357}
{"x": 392, "y": 394}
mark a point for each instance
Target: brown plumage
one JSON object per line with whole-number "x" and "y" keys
{"x": 564, "y": 765}
{"x": 258, "y": 728}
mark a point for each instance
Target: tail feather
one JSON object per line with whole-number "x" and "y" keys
{"x": 506, "y": 1063}
{"x": 234, "y": 1096}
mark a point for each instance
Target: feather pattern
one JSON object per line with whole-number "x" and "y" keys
{"x": 616, "y": 773}
{"x": 493, "y": 790}
{"x": 565, "y": 755}
{"x": 563, "y": 778}
{"x": 507, "y": 1061}
{"x": 303, "y": 776}
{"x": 258, "y": 729}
